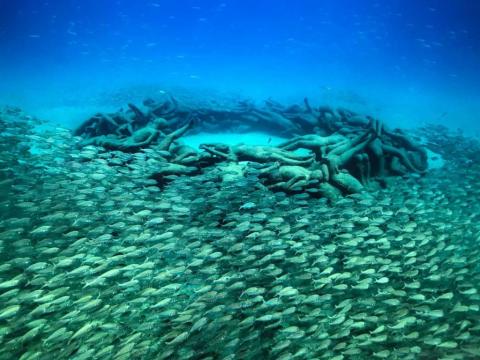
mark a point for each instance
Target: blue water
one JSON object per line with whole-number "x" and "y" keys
{"x": 408, "y": 62}
{"x": 107, "y": 255}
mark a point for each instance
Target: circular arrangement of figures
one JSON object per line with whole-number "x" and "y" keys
{"x": 329, "y": 152}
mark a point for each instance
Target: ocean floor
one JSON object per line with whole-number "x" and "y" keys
{"x": 250, "y": 138}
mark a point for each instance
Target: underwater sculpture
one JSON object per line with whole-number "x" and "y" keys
{"x": 289, "y": 178}
{"x": 140, "y": 138}
{"x": 345, "y": 150}
{"x": 135, "y": 140}
{"x": 259, "y": 154}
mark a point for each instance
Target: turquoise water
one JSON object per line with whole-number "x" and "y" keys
{"x": 239, "y": 179}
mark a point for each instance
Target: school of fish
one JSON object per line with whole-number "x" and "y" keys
{"x": 98, "y": 262}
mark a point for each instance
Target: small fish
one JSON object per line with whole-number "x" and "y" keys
{"x": 9, "y": 312}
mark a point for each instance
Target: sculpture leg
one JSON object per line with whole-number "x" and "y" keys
{"x": 294, "y": 181}
{"x": 349, "y": 144}
{"x": 402, "y": 157}
{"x": 292, "y": 144}
{"x": 409, "y": 144}
{"x": 289, "y": 160}
{"x": 217, "y": 153}
{"x": 174, "y": 135}
{"x": 269, "y": 169}
{"x": 378, "y": 155}
{"x": 362, "y": 163}
{"x": 367, "y": 169}
{"x": 340, "y": 159}
{"x": 140, "y": 118}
